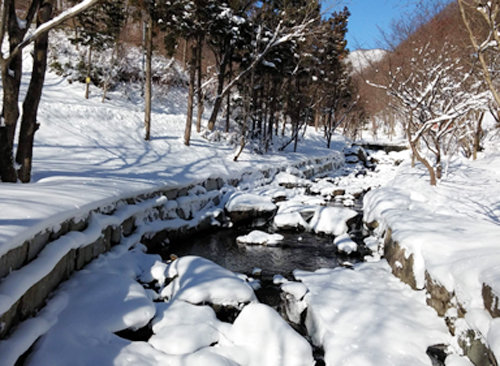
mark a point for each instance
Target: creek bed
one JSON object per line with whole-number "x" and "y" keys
{"x": 301, "y": 250}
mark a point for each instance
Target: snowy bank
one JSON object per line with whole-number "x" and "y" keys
{"x": 445, "y": 239}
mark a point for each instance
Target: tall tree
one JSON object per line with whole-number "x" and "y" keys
{"x": 15, "y": 27}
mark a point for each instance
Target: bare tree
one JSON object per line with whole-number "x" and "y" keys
{"x": 484, "y": 36}
{"x": 435, "y": 93}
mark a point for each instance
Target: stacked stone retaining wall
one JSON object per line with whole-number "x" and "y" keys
{"x": 35, "y": 268}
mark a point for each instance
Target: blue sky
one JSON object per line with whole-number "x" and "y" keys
{"x": 366, "y": 16}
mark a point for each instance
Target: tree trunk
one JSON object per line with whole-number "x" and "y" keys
{"x": 420, "y": 158}
{"x": 11, "y": 81}
{"x": 89, "y": 69}
{"x": 477, "y": 136}
{"x": 29, "y": 124}
{"x": 148, "y": 86}
{"x": 192, "y": 77}
{"x": 228, "y": 101}
{"x": 199, "y": 92}
{"x": 108, "y": 77}
{"x": 220, "y": 87}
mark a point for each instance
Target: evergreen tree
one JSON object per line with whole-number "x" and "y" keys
{"x": 98, "y": 29}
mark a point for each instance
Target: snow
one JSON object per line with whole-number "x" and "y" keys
{"x": 249, "y": 202}
{"x": 258, "y": 237}
{"x": 451, "y": 229}
{"x": 383, "y": 332}
{"x": 290, "y": 220}
{"x": 331, "y": 220}
{"x": 212, "y": 283}
{"x": 97, "y": 301}
{"x": 261, "y": 332}
{"x": 345, "y": 244}
{"x": 91, "y": 155}
{"x": 102, "y": 152}
{"x": 181, "y": 328}
{"x": 361, "y": 59}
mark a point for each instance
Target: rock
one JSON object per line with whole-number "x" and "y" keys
{"x": 258, "y": 237}
{"x": 401, "y": 264}
{"x": 491, "y": 301}
{"x": 244, "y": 207}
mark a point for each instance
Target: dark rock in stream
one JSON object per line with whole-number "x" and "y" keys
{"x": 139, "y": 335}
{"x": 225, "y": 313}
{"x": 437, "y": 353}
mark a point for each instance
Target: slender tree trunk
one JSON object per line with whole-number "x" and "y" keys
{"x": 192, "y": 77}
{"x": 148, "y": 86}
{"x": 477, "y": 136}
{"x": 114, "y": 55}
{"x": 30, "y": 106}
{"x": 199, "y": 91}
{"x": 420, "y": 158}
{"x": 184, "y": 53}
{"x": 316, "y": 118}
{"x": 228, "y": 100}
{"x": 220, "y": 87}
{"x": 89, "y": 69}
{"x": 245, "y": 116}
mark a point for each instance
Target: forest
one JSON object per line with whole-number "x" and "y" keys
{"x": 263, "y": 66}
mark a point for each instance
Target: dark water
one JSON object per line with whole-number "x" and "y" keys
{"x": 304, "y": 250}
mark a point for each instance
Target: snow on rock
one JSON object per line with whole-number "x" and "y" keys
{"x": 260, "y": 337}
{"x": 249, "y": 202}
{"x": 456, "y": 360}
{"x": 324, "y": 187}
{"x": 291, "y": 220}
{"x": 345, "y": 244}
{"x": 331, "y": 220}
{"x": 257, "y": 237}
{"x": 366, "y": 316}
{"x": 85, "y": 311}
{"x": 245, "y": 206}
{"x": 198, "y": 280}
{"x": 493, "y": 336}
{"x": 296, "y": 289}
{"x": 291, "y": 181}
{"x": 182, "y": 328}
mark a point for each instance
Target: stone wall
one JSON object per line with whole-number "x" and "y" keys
{"x": 445, "y": 303}
{"x": 31, "y": 271}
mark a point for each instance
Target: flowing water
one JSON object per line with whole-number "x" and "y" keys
{"x": 304, "y": 250}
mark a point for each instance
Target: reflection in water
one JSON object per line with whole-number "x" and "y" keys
{"x": 297, "y": 251}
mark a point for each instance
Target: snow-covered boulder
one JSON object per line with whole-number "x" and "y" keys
{"x": 345, "y": 244}
{"x": 198, "y": 280}
{"x": 258, "y": 237}
{"x": 290, "y": 221}
{"x": 331, "y": 220}
{"x": 182, "y": 328}
{"x": 288, "y": 180}
{"x": 247, "y": 206}
{"x": 263, "y": 338}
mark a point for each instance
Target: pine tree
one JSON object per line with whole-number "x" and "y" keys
{"x": 98, "y": 29}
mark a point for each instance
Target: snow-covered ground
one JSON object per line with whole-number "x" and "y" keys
{"x": 452, "y": 230}
{"x": 89, "y": 154}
